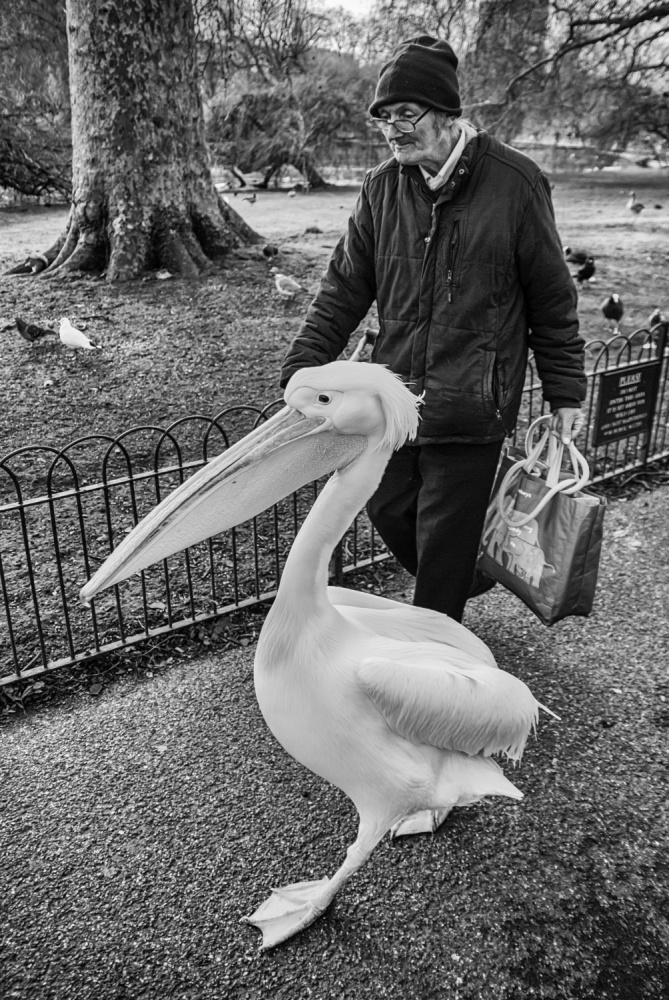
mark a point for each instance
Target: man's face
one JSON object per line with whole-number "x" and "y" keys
{"x": 427, "y": 145}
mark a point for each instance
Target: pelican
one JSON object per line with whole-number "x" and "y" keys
{"x": 399, "y": 706}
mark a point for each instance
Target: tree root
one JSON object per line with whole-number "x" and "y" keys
{"x": 187, "y": 244}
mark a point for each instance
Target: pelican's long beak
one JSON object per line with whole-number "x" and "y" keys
{"x": 280, "y": 456}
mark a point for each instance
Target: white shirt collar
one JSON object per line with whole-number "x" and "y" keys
{"x": 438, "y": 180}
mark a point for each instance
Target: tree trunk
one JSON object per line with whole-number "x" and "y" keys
{"x": 143, "y": 196}
{"x": 510, "y": 35}
{"x": 307, "y": 167}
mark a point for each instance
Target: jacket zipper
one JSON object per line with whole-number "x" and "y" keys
{"x": 450, "y": 262}
{"x": 433, "y": 223}
{"x": 494, "y": 390}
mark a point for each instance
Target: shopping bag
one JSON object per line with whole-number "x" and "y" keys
{"x": 543, "y": 532}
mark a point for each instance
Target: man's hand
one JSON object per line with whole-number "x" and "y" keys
{"x": 567, "y": 422}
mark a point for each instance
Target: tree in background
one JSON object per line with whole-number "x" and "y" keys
{"x": 284, "y": 97}
{"x": 142, "y": 191}
{"x": 549, "y": 64}
{"x": 35, "y": 147}
{"x": 297, "y": 123}
{"x": 602, "y": 60}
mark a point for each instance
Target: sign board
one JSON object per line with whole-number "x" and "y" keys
{"x": 626, "y": 402}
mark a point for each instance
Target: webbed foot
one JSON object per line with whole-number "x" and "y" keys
{"x": 289, "y": 910}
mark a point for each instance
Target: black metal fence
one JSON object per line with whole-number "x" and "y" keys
{"x": 63, "y": 510}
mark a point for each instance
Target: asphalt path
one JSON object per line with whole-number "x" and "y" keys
{"x": 139, "y": 826}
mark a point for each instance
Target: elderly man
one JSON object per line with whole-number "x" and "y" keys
{"x": 455, "y": 240}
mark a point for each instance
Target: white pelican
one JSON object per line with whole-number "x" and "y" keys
{"x": 398, "y": 706}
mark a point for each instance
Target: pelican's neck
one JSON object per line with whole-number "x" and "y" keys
{"x": 345, "y": 493}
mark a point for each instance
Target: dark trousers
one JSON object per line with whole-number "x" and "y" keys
{"x": 429, "y": 510}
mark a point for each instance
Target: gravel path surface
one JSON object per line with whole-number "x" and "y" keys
{"x": 139, "y": 826}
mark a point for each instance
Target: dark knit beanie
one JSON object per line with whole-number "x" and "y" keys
{"x": 423, "y": 70}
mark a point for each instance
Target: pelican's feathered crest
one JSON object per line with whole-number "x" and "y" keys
{"x": 400, "y": 406}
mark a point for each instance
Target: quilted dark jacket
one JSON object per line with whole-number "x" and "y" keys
{"x": 465, "y": 279}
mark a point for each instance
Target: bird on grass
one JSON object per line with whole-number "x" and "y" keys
{"x": 75, "y": 339}
{"x": 251, "y": 198}
{"x": 31, "y": 332}
{"x": 399, "y": 706}
{"x": 286, "y": 286}
{"x": 575, "y": 256}
{"x": 632, "y": 205}
{"x": 368, "y": 337}
{"x": 613, "y": 310}
{"x": 657, "y": 316}
{"x": 586, "y": 273}
{"x": 269, "y": 250}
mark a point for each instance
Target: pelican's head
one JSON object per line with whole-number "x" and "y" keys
{"x": 333, "y": 415}
{"x": 357, "y": 399}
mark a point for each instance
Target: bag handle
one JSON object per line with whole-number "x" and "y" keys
{"x": 580, "y": 468}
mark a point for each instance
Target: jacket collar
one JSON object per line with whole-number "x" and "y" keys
{"x": 461, "y": 174}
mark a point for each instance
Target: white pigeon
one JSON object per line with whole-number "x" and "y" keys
{"x": 75, "y": 339}
{"x": 286, "y": 286}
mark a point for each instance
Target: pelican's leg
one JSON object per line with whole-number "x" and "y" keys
{"x": 425, "y": 821}
{"x": 293, "y": 907}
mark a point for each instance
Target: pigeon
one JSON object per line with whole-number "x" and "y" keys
{"x": 286, "y": 286}
{"x": 369, "y": 337}
{"x": 31, "y": 332}
{"x": 575, "y": 256}
{"x": 613, "y": 310}
{"x": 586, "y": 272}
{"x": 656, "y": 317}
{"x": 270, "y": 250}
{"x": 75, "y": 339}
{"x": 251, "y": 198}
{"x": 292, "y": 193}
{"x": 632, "y": 205}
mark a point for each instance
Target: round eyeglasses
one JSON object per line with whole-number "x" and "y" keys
{"x": 401, "y": 124}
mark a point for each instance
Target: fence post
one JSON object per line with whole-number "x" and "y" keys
{"x": 662, "y": 331}
{"x": 338, "y": 565}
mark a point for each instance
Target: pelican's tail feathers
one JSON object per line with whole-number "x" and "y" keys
{"x": 548, "y": 711}
{"x": 516, "y": 748}
{"x": 465, "y": 780}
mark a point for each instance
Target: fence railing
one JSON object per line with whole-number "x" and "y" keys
{"x": 63, "y": 510}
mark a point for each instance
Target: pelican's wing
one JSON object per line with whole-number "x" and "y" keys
{"x": 395, "y": 620}
{"x": 471, "y": 709}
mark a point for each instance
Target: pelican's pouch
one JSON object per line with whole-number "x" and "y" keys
{"x": 543, "y": 532}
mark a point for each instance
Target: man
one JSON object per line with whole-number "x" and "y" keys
{"x": 455, "y": 239}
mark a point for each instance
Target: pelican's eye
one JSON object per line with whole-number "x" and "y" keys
{"x": 323, "y": 397}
